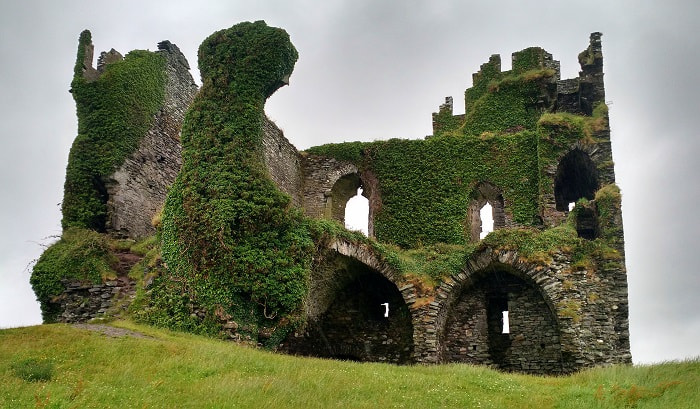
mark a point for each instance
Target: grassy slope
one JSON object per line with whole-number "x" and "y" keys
{"x": 186, "y": 371}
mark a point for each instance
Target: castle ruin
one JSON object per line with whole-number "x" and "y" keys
{"x": 534, "y": 147}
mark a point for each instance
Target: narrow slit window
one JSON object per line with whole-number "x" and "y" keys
{"x": 506, "y": 323}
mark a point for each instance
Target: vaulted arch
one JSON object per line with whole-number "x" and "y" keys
{"x": 474, "y": 327}
{"x": 355, "y": 309}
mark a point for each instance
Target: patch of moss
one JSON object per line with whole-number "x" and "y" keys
{"x": 80, "y": 255}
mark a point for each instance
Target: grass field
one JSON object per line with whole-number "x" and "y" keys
{"x": 59, "y": 366}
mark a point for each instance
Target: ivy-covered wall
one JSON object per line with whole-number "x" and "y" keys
{"x": 116, "y": 105}
{"x": 232, "y": 242}
{"x": 512, "y": 136}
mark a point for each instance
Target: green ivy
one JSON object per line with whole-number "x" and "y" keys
{"x": 231, "y": 239}
{"x": 512, "y": 102}
{"x": 114, "y": 112}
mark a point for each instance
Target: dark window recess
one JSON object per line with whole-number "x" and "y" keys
{"x": 576, "y": 178}
{"x": 587, "y": 223}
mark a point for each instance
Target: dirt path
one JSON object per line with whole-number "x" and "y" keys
{"x": 111, "y": 331}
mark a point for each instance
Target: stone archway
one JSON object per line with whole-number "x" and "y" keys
{"x": 474, "y": 330}
{"x": 499, "y": 278}
{"x": 355, "y": 310}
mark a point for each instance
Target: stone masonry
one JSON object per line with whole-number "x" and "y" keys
{"x": 137, "y": 189}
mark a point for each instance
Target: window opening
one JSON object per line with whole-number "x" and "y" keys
{"x": 571, "y": 206}
{"x": 357, "y": 213}
{"x": 486, "y": 215}
{"x": 506, "y": 323}
{"x": 576, "y": 177}
{"x": 386, "y": 309}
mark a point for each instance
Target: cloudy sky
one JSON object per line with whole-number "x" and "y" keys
{"x": 372, "y": 69}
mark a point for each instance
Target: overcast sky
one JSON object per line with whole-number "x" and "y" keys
{"x": 372, "y": 69}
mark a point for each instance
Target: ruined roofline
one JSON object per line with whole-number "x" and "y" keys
{"x": 86, "y": 56}
{"x": 537, "y": 58}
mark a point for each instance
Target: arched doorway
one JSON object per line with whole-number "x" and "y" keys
{"x": 358, "y": 315}
{"x": 475, "y": 333}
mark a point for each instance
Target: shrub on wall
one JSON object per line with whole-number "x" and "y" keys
{"x": 80, "y": 255}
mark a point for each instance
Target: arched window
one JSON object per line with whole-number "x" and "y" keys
{"x": 486, "y": 215}
{"x": 486, "y": 211}
{"x": 343, "y": 189}
{"x": 576, "y": 178}
{"x": 357, "y": 213}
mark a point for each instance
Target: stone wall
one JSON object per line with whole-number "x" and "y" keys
{"x": 283, "y": 162}
{"x": 320, "y": 175}
{"x": 81, "y": 302}
{"x": 137, "y": 189}
{"x": 562, "y": 317}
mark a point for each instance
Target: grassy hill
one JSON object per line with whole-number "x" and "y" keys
{"x": 152, "y": 368}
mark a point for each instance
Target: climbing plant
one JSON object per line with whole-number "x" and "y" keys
{"x": 232, "y": 243}
{"x": 115, "y": 109}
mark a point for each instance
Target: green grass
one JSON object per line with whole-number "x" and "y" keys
{"x": 169, "y": 370}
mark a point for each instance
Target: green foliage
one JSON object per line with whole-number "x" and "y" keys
{"x": 528, "y": 59}
{"x": 33, "y": 370}
{"x": 444, "y": 122}
{"x": 608, "y": 201}
{"x": 114, "y": 113}
{"x": 432, "y": 264}
{"x": 434, "y": 180}
{"x": 231, "y": 239}
{"x": 349, "y": 151}
{"x": 514, "y": 101}
{"x": 80, "y": 254}
{"x": 571, "y": 126}
{"x": 168, "y": 370}
{"x": 488, "y": 72}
